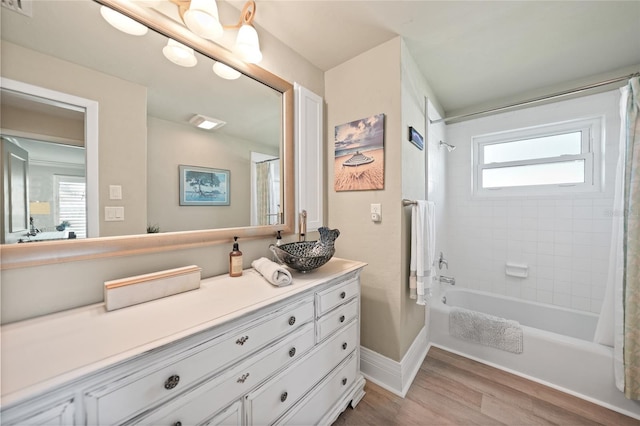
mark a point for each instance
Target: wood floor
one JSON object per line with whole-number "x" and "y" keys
{"x": 452, "y": 390}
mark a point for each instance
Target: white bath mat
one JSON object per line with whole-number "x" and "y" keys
{"x": 486, "y": 329}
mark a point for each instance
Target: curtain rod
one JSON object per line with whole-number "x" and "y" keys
{"x": 535, "y": 100}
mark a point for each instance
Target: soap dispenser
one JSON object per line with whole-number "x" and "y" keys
{"x": 235, "y": 260}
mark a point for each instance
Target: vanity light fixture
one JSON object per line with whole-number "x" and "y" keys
{"x": 225, "y": 71}
{"x": 122, "y": 22}
{"x": 206, "y": 123}
{"x": 201, "y": 17}
{"x": 179, "y": 54}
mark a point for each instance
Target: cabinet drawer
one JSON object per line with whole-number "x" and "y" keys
{"x": 336, "y": 319}
{"x": 200, "y": 403}
{"x": 320, "y": 400}
{"x": 334, "y": 296}
{"x": 270, "y": 401}
{"x": 232, "y": 416}
{"x": 129, "y": 395}
{"x": 61, "y": 413}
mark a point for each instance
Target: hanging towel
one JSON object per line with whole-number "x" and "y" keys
{"x": 423, "y": 247}
{"x": 272, "y": 272}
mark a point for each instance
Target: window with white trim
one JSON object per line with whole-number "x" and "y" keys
{"x": 542, "y": 160}
{"x": 71, "y": 197}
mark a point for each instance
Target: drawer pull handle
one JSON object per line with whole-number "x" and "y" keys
{"x": 292, "y": 320}
{"x": 283, "y": 397}
{"x": 344, "y": 345}
{"x": 242, "y": 378}
{"x": 177, "y": 423}
{"x": 344, "y": 381}
{"x": 343, "y": 295}
{"x": 172, "y": 382}
{"x": 241, "y": 341}
{"x": 292, "y": 352}
{"x": 341, "y": 318}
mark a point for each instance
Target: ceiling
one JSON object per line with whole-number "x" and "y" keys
{"x": 472, "y": 53}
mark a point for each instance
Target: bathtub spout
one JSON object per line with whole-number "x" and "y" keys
{"x": 447, "y": 280}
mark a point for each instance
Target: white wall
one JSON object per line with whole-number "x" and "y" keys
{"x": 564, "y": 239}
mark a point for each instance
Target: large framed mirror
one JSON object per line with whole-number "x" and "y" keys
{"x": 124, "y": 101}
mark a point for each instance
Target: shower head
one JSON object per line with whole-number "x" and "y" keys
{"x": 449, "y": 147}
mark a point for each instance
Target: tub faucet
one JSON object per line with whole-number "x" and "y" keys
{"x": 447, "y": 280}
{"x": 302, "y": 225}
{"x": 442, "y": 261}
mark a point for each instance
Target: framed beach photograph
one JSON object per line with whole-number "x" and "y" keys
{"x": 359, "y": 155}
{"x": 203, "y": 186}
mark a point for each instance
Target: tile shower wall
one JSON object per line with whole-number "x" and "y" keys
{"x": 564, "y": 240}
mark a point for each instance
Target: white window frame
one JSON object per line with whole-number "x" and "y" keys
{"x": 81, "y": 232}
{"x": 591, "y": 153}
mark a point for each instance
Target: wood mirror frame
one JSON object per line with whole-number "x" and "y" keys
{"x": 49, "y": 252}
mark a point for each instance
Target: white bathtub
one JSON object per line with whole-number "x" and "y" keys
{"x": 557, "y": 350}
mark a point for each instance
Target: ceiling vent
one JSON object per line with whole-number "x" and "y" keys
{"x": 24, "y": 7}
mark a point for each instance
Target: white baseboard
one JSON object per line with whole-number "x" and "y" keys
{"x": 396, "y": 377}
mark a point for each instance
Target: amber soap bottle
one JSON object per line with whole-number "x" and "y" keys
{"x": 235, "y": 260}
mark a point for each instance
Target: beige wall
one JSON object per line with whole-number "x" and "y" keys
{"x": 202, "y": 149}
{"x": 382, "y": 80}
{"x": 122, "y": 126}
{"x": 43, "y": 126}
{"x": 366, "y": 85}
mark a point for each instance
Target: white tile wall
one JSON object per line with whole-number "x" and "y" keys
{"x": 564, "y": 240}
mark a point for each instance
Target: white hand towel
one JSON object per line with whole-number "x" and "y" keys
{"x": 272, "y": 272}
{"x": 423, "y": 246}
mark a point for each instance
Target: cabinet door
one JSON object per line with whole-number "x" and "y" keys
{"x": 309, "y": 153}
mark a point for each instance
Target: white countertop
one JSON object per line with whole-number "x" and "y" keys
{"x": 46, "y": 351}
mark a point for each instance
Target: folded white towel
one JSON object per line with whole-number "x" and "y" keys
{"x": 276, "y": 274}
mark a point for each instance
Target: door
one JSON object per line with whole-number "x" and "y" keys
{"x": 15, "y": 194}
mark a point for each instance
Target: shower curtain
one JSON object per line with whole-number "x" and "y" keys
{"x": 263, "y": 171}
{"x": 619, "y": 324}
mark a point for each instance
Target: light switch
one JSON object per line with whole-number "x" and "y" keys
{"x": 115, "y": 192}
{"x": 113, "y": 214}
{"x": 376, "y": 213}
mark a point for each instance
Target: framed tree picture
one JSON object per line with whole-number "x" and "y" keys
{"x": 203, "y": 186}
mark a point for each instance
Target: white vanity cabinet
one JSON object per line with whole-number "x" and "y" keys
{"x": 237, "y": 351}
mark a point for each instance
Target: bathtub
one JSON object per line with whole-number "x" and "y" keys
{"x": 557, "y": 348}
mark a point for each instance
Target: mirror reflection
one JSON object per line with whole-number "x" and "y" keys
{"x": 146, "y": 133}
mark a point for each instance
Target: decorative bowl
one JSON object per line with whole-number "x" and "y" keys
{"x": 306, "y": 256}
